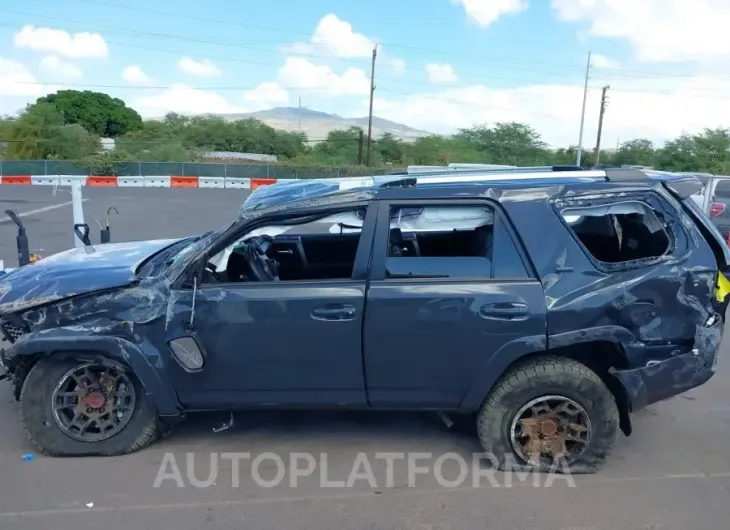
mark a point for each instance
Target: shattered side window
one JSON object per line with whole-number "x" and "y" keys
{"x": 619, "y": 232}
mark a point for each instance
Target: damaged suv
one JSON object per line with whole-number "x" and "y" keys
{"x": 546, "y": 304}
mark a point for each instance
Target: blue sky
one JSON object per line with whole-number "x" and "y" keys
{"x": 442, "y": 64}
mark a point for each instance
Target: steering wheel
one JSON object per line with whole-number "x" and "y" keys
{"x": 261, "y": 267}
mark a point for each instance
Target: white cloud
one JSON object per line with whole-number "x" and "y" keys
{"x": 204, "y": 68}
{"x": 58, "y": 66}
{"x": 17, "y": 80}
{"x": 658, "y": 30}
{"x": 487, "y": 12}
{"x": 654, "y": 109}
{"x": 601, "y": 61}
{"x": 441, "y": 74}
{"x": 185, "y": 99}
{"x": 298, "y": 72}
{"x": 335, "y": 37}
{"x": 266, "y": 95}
{"x": 134, "y": 74}
{"x": 61, "y": 42}
{"x": 398, "y": 66}
{"x": 18, "y": 87}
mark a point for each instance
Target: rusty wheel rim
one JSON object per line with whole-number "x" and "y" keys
{"x": 550, "y": 429}
{"x": 93, "y": 402}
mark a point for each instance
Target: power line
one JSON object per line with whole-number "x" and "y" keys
{"x": 238, "y": 45}
{"x": 530, "y": 63}
{"x": 120, "y": 142}
{"x": 434, "y": 97}
{"x": 244, "y": 61}
{"x": 160, "y": 87}
{"x": 381, "y": 43}
{"x": 86, "y": 25}
{"x": 302, "y": 33}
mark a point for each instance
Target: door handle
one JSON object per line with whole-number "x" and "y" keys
{"x": 505, "y": 311}
{"x": 334, "y": 312}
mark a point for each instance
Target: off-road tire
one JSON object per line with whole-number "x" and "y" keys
{"x": 548, "y": 376}
{"x": 37, "y": 417}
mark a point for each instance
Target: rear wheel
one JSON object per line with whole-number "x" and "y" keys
{"x": 72, "y": 408}
{"x": 549, "y": 414}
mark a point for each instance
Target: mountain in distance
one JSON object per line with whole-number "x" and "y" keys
{"x": 316, "y": 124}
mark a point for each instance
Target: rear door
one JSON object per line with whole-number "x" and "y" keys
{"x": 436, "y": 313}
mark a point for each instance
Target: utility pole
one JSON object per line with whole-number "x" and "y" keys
{"x": 600, "y": 122}
{"x": 359, "y": 148}
{"x": 300, "y": 113}
{"x": 370, "y": 115}
{"x": 583, "y": 112}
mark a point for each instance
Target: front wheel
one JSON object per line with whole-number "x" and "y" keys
{"x": 72, "y": 408}
{"x": 549, "y": 414}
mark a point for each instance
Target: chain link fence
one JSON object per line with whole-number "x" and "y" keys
{"x": 185, "y": 169}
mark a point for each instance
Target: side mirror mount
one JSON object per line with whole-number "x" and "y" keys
{"x": 194, "y": 274}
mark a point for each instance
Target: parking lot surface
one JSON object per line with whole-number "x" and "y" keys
{"x": 144, "y": 213}
{"x": 672, "y": 473}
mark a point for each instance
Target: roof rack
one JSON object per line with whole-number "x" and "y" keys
{"x": 450, "y": 176}
{"x": 540, "y": 176}
{"x": 460, "y": 167}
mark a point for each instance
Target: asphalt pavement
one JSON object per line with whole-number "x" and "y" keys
{"x": 144, "y": 213}
{"x": 672, "y": 473}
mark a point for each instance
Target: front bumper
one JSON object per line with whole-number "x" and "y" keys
{"x": 664, "y": 379}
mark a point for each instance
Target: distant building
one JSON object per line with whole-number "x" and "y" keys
{"x": 241, "y": 156}
{"x": 107, "y": 144}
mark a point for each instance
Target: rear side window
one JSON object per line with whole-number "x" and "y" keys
{"x": 619, "y": 232}
{"x": 450, "y": 242}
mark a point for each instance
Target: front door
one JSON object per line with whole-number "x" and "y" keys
{"x": 449, "y": 291}
{"x": 296, "y": 342}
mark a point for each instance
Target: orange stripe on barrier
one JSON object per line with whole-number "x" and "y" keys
{"x": 257, "y": 183}
{"x": 106, "y": 182}
{"x": 16, "y": 180}
{"x": 183, "y": 182}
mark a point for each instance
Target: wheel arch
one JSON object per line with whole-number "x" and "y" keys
{"x": 146, "y": 365}
{"x": 597, "y": 350}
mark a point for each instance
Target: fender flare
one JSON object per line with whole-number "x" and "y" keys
{"x": 496, "y": 365}
{"x": 147, "y": 364}
{"x": 615, "y": 334}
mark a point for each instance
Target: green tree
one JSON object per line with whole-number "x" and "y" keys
{"x": 508, "y": 143}
{"x": 390, "y": 148}
{"x": 638, "y": 152}
{"x": 679, "y": 154}
{"x": 40, "y": 133}
{"x": 713, "y": 150}
{"x": 441, "y": 150}
{"x": 96, "y": 112}
{"x": 341, "y": 148}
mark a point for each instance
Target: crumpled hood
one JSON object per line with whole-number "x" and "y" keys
{"x": 75, "y": 271}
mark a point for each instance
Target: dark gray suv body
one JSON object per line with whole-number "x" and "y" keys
{"x": 546, "y": 305}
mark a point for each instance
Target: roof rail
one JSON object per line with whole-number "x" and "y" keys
{"x": 444, "y": 170}
{"x": 477, "y": 176}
